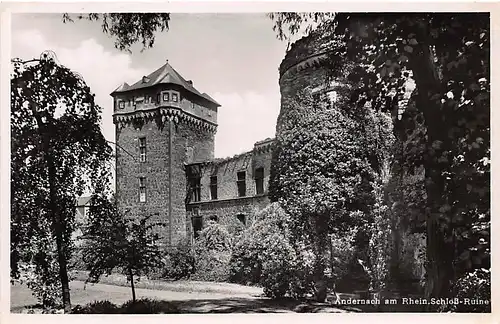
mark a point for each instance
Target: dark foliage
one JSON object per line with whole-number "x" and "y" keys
{"x": 140, "y": 306}
{"x": 128, "y": 28}
{"x": 180, "y": 263}
{"x": 96, "y": 307}
{"x": 55, "y": 140}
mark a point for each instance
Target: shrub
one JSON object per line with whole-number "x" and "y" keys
{"x": 474, "y": 286}
{"x": 149, "y": 306}
{"x": 180, "y": 262}
{"x": 96, "y": 307}
{"x": 277, "y": 266}
{"x": 265, "y": 256}
{"x": 140, "y": 306}
{"x": 212, "y": 251}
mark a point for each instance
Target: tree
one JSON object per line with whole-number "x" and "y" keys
{"x": 115, "y": 242}
{"x": 57, "y": 153}
{"x": 325, "y": 164}
{"x": 128, "y": 28}
{"x": 447, "y": 55}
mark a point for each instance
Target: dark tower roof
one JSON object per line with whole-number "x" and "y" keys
{"x": 164, "y": 75}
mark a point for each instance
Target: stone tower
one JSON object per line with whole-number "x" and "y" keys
{"x": 305, "y": 67}
{"x": 162, "y": 123}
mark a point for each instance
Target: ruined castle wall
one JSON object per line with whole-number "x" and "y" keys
{"x": 229, "y": 207}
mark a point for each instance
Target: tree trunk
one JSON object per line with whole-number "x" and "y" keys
{"x": 57, "y": 225}
{"x": 132, "y": 283}
{"x": 439, "y": 258}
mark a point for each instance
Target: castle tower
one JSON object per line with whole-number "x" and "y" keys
{"x": 162, "y": 123}
{"x": 305, "y": 66}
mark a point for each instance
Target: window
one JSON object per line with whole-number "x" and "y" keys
{"x": 242, "y": 218}
{"x": 147, "y": 99}
{"x": 259, "y": 181}
{"x": 332, "y": 95}
{"x": 142, "y": 149}
{"x": 142, "y": 189}
{"x": 242, "y": 188}
{"x": 166, "y": 96}
{"x": 195, "y": 184}
{"x": 213, "y": 187}
{"x": 213, "y": 218}
{"x": 197, "y": 222}
{"x": 175, "y": 97}
{"x": 189, "y": 154}
{"x": 121, "y": 104}
{"x": 158, "y": 98}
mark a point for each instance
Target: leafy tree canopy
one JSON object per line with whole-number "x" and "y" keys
{"x": 57, "y": 153}
{"x": 447, "y": 56}
{"x": 128, "y": 28}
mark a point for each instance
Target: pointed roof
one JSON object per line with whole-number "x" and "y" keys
{"x": 123, "y": 87}
{"x": 166, "y": 74}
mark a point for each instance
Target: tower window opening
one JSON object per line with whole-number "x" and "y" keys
{"x": 195, "y": 184}
{"x": 259, "y": 181}
{"x": 242, "y": 218}
{"x": 166, "y": 96}
{"x": 142, "y": 149}
{"x": 241, "y": 183}
{"x": 213, "y": 187}
{"x": 142, "y": 189}
{"x": 175, "y": 97}
{"x": 197, "y": 223}
{"x": 121, "y": 104}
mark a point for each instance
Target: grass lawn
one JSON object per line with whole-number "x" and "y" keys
{"x": 189, "y": 301}
{"x": 177, "y": 285}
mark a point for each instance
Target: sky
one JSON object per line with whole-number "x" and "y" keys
{"x": 232, "y": 57}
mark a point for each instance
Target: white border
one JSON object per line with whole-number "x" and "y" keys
{"x": 6, "y": 9}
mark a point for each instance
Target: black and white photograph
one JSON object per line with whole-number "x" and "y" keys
{"x": 177, "y": 162}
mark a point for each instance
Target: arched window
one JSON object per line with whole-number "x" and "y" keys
{"x": 242, "y": 218}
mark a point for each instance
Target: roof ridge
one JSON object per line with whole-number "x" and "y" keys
{"x": 165, "y": 74}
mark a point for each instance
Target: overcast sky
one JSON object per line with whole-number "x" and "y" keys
{"x": 232, "y": 57}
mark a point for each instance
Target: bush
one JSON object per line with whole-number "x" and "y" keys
{"x": 180, "y": 263}
{"x": 476, "y": 286}
{"x": 149, "y": 306}
{"x": 247, "y": 257}
{"x": 140, "y": 306}
{"x": 212, "y": 252}
{"x": 264, "y": 256}
{"x": 96, "y": 307}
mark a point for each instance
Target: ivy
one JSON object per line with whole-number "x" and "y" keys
{"x": 447, "y": 57}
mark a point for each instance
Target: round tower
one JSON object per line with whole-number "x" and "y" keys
{"x": 306, "y": 67}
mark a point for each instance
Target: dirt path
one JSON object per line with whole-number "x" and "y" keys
{"x": 247, "y": 301}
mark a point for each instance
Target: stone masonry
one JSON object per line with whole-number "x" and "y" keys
{"x": 165, "y": 132}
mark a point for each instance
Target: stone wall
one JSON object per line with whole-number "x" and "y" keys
{"x": 229, "y": 204}
{"x": 235, "y": 214}
{"x": 158, "y": 171}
